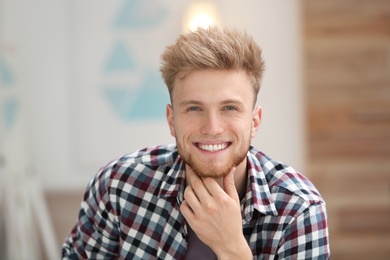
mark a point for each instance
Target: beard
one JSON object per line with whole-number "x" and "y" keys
{"x": 215, "y": 168}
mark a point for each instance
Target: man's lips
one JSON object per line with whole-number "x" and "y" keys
{"x": 212, "y": 147}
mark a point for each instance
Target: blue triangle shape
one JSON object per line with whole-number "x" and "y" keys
{"x": 119, "y": 59}
{"x": 138, "y": 14}
{"x": 10, "y": 113}
{"x": 151, "y": 99}
{"x": 117, "y": 97}
{"x": 6, "y": 77}
{"x": 147, "y": 102}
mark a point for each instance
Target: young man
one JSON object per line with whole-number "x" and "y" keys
{"x": 212, "y": 195}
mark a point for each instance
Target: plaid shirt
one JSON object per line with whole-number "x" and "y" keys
{"x": 131, "y": 211}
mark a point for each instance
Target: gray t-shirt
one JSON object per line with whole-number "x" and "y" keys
{"x": 196, "y": 249}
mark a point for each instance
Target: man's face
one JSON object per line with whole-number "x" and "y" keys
{"x": 213, "y": 120}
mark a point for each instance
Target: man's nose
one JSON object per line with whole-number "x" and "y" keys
{"x": 212, "y": 124}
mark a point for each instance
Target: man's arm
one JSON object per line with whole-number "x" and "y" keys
{"x": 307, "y": 236}
{"x": 94, "y": 236}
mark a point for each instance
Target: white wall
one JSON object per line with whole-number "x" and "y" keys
{"x": 45, "y": 42}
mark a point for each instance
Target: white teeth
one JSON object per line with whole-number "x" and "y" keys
{"x": 212, "y": 147}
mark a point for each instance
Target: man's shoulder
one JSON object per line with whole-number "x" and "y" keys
{"x": 142, "y": 162}
{"x": 283, "y": 180}
{"x": 151, "y": 156}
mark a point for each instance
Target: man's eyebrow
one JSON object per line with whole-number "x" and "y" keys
{"x": 232, "y": 101}
{"x": 190, "y": 102}
{"x": 223, "y": 102}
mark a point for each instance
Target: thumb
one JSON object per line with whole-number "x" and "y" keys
{"x": 229, "y": 185}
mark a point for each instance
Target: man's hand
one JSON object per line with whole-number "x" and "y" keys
{"x": 214, "y": 214}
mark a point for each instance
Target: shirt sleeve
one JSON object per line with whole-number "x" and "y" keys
{"x": 95, "y": 235}
{"x": 307, "y": 236}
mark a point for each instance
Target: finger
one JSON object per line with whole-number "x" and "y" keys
{"x": 213, "y": 187}
{"x": 186, "y": 210}
{"x": 191, "y": 198}
{"x": 191, "y": 176}
{"x": 230, "y": 186}
{"x": 197, "y": 185}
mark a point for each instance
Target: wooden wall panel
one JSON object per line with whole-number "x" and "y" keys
{"x": 347, "y": 81}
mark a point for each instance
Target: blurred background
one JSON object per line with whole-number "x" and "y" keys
{"x": 80, "y": 86}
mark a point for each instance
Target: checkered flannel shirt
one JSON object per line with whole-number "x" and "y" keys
{"x": 131, "y": 211}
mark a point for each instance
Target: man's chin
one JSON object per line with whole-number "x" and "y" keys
{"x": 212, "y": 172}
{"x": 214, "y": 176}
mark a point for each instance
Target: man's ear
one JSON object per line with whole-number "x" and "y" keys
{"x": 170, "y": 120}
{"x": 256, "y": 120}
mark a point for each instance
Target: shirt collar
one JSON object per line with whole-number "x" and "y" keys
{"x": 173, "y": 182}
{"x": 258, "y": 196}
{"x": 173, "y": 185}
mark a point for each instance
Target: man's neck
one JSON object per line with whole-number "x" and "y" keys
{"x": 241, "y": 176}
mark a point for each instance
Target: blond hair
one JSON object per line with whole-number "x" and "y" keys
{"x": 212, "y": 48}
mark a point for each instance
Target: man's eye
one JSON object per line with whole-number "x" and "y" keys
{"x": 230, "y": 108}
{"x": 193, "y": 109}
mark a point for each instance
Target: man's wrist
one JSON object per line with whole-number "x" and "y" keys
{"x": 240, "y": 251}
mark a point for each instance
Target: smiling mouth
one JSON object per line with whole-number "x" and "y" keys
{"x": 213, "y": 147}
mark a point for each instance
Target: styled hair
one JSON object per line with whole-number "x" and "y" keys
{"x": 212, "y": 48}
